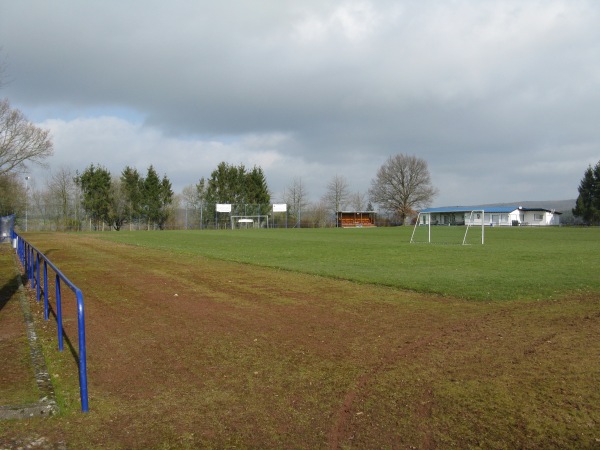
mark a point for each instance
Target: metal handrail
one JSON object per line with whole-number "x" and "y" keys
{"x": 31, "y": 258}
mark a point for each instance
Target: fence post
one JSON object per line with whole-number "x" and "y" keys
{"x": 82, "y": 353}
{"x": 32, "y": 266}
{"x": 38, "y": 287}
{"x": 59, "y": 314}
{"x": 46, "y": 306}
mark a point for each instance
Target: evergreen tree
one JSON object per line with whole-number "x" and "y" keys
{"x": 224, "y": 185}
{"x": 257, "y": 191}
{"x": 588, "y": 201}
{"x": 131, "y": 182}
{"x": 246, "y": 190}
{"x": 236, "y": 185}
{"x": 156, "y": 196}
{"x": 95, "y": 184}
{"x": 166, "y": 199}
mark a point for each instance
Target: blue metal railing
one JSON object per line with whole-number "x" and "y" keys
{"x": 32, "y": 259}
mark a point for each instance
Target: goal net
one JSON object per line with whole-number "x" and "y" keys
{"x": 257, "y": 221}
{"x": 466, "y": 229}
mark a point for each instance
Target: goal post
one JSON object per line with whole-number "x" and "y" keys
{"x": 427, "y": 230}
{"x": 250, "y": 221}
{"x": 477, "y": 215}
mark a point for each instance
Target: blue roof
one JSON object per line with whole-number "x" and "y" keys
{"x": 462, "y": 209}
{"x": 487, "y": 209}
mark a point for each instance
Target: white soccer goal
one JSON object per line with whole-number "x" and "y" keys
{"x": 424, "y": 232}
{"x": 257, "y": 221}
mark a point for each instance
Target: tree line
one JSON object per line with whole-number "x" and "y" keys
{"x": 131, "y": 197}
{"x": 116, "y": 201}
{"x": 401, "y": 186}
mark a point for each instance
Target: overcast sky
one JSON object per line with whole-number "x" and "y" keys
{"x": 501, "y": 98}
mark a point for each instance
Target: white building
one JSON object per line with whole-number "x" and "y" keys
{"x": 492, "y": 215}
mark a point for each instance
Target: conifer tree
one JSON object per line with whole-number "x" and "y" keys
{"x": 131, "y": 185}
{"x": 95, "y": 184}
{"x": 588, "y": 201}
{"x": 238, "y": 186}
{"x": 156, "y": 197}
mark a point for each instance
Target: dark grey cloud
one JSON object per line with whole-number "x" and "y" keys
{"x": 500, "y": 97}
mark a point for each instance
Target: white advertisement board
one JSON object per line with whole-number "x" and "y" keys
{"x": 224, "y": 207}
{"x": 279, "y": 207}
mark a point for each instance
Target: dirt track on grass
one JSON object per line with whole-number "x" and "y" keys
{"x": 186, "y": 352}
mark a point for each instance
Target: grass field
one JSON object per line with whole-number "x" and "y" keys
{"x": 348, "y": 338}
{"x": 513, "y": 263}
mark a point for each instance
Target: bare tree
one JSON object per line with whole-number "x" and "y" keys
{"x": 20, "y": 140}
{"x": 191, "y": 202}
{"x": 317, "y": 215}
{"x": 61, "y": 190}
{"x": 201, "y": 194}
{"x": 402, "y": 185}
{"x": 296, "y": 197}
{"x": 336, "y": 195}
{"x": 358, "y": 201}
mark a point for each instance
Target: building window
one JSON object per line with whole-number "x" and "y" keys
{"x": 538, "y": 217}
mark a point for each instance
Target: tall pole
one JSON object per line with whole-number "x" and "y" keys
{"x": 26, "y": 195}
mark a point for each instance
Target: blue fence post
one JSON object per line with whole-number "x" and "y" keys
{"x": 45, "y": 290}
{"x": 24, "y": 256}
{"x": 20, "y": 249}
{"x": 59, "y": 314}
{"x": 28, "y": 262}
{"x": 27, "y": 259}
{"x": 31, "y": 266}
{"x": 82, "y": 353}
{"x": 38, "y": 290}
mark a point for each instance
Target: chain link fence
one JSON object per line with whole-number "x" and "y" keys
{"x": 71, "y": 217}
